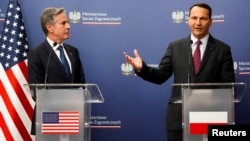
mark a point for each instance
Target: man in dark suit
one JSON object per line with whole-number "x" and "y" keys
{"x": 44, "y": 63}
{"x": 216, "y": 64}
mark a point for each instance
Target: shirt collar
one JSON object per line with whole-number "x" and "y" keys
{"x": 51, "y": 43}
{"x": 203, "y": 40}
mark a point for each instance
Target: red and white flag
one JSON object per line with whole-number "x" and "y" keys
{"x": 199, "y": 121}
{"x": 16, "y": 104}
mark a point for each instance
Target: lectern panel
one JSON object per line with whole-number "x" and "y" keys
{"x": 203, "y": 107}
{"x": 60, "y": 115}
{"x": 205, "y": 104}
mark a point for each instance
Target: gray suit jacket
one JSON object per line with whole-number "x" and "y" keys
{"x": 216, "y": 67}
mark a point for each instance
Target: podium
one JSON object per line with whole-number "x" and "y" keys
{"x": 63, "y": 111}
{"x": 206, "y": 104}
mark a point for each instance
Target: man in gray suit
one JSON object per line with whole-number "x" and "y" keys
{"x": 216, "y": 64}
{"x": 44, "y": 63}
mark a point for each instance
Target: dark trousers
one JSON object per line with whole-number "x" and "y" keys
{"x": 174, "y": 135}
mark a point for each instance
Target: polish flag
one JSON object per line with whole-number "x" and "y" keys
{"x": 199, "y": 121}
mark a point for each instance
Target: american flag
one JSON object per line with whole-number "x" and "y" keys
{"x": 60, "y": 122}
{"x": 16, "y": 104}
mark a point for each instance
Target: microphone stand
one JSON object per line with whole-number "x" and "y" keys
{"x": 189, "y": 59}
{"x": 47, "y": 67}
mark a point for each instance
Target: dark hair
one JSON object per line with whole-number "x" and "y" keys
{"x": 203, "y": 5}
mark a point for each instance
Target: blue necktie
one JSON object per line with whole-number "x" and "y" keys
{"x": 64, "y": 61}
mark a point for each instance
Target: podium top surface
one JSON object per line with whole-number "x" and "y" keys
{"x": 95, "y": 95}
{"x": 61, "y": 84}
{"x": 210, "y": 84}
{"x": 236, "y": 88}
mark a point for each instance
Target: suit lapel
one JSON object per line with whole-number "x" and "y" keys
{"x": 189, "y": 56}
{"x": 208, "y": 51}
{"x": 71, "y": 58}
{"x": 56, "y": 61}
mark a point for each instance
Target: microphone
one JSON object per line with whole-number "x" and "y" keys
{"x": 189, "y": 59}
{"x": 54, "y": 44}
{"x": 47, "y": 67}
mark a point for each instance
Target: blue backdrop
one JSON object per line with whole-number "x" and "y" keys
{"x": 134, "y": 110}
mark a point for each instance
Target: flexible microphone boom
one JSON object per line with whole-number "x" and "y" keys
{"x": 47, "y": 67}
{"x": 189, "y": 59}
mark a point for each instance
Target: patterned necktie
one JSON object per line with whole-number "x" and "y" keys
{"x": 197, "y": 57}
{"x": 64, "y": 61}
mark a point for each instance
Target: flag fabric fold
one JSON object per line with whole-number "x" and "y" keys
{"x": 16, "y": 104}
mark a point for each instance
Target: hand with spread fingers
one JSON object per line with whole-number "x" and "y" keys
{"x": 136, "y": 61}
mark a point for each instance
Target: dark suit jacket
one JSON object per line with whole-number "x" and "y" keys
{"x": 39, "y": 64}
{"x": 216, "y": 67}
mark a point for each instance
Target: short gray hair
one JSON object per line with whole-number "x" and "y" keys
{"x": 48, "y": 15}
